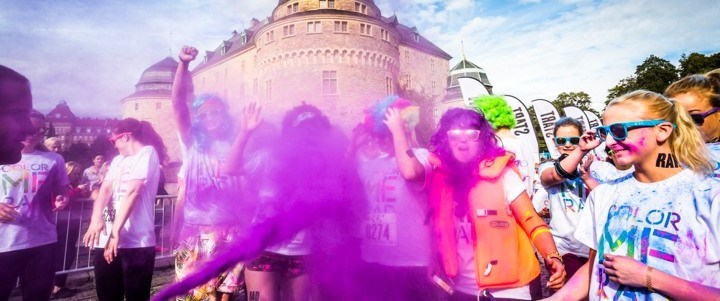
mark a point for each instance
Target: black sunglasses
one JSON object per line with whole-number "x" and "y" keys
{"x": 562, "y": 140}
{"x": 699, "y": 118}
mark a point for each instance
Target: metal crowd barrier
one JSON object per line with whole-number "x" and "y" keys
{"x": 73, "y": 221}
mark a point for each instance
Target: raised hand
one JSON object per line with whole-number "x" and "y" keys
{"x": 394, "y": 121}
{"x": 589, "y": 141}
{"x": 187, "y": 54}
{"x": 585, "y": 165}
{"x": 251, "y": 117}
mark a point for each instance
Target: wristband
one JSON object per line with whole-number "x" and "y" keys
{"x": 557, "y": 256}
{"x": 648, "y": 279}
{"x": 410, "y": 153}
{"x": 564, "y": 174}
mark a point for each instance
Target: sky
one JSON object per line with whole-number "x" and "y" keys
{"x": 91, "y": 53}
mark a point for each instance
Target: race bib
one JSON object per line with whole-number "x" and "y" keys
{"x": 381, "y": 229}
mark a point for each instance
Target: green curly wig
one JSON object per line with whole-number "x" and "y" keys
{"x": 496, "y": 110}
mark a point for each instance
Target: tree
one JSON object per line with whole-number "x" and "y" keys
{"x": 579, "y": 99}
{"x": 654, "y": 74}
{"x": 78, "y": 152}
{"x": 698, "y": 63}
{"x": 102, "y": 146}
{"x": 51, "y": 131}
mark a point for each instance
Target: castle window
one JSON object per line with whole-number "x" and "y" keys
{"x": 389, "y": 86}
{"x": 385, "y": 35}
{"x": 330, "y": 83}
{"x": 417, "y": 37}
{"x": 408, "y": 82}
{"x": 407, "y": 55}
{"x": 314, "y": 27}
{"x": 365, "y": 29}
{"x": 341, "y": 26}
{"x": 270, "y": 36}
{"x": 289, "y": 30}
{"x": 293, "y": 8}
{"x": 223, "y": 50}
{"x": 432, "y": 64}
{"x": 434, "y": 88}
{"x": 360, "y": 8}
{"x": 327, "y": 3}
{"x": 242, "y": 67}
{"x": 137, "y": 107}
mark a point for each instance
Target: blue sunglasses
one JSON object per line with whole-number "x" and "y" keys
{"x": 619, "y": 131}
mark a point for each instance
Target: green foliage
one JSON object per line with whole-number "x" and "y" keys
{"x": 78, "y": 152}
{"x": 698, "y": 63}
{"x": 579, "y": 99}
{"x": 496, "y": 110}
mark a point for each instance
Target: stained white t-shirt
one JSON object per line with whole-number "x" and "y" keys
{"x": 671, "y": 225}
{"x": 465, "y": 281}
{"x": 395, "y": 232}
{"x": 138, "y": 231}
{"x": 525, "y": 160}
{"x": 28, "y": 186}
{"x": 604, "y": 171}
{"x": 714, "y": 149}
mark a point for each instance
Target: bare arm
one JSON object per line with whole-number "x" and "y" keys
{"x": 178, "y": 217}
{"x": 182, "y": 84}
{"x": 250, "y": 119}
{"x": 97, "y": 224}
{"x": 410, "y": 167}
{"x": 578, "y": 287}
{"x": 588, "y": 142}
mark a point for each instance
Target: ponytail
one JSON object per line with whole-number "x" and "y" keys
{"x": 686, "y": 142}
{"x": 144, "y": 132}
{"x": 706, "y": 86}
{"x": 150, "y": 136}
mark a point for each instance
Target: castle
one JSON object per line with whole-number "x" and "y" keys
{"x": 339, "y": 55}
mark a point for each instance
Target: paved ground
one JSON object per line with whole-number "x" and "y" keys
{"x": 83, "y": 283}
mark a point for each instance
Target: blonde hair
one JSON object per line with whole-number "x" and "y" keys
{"x": 686, "y": 142}
{"x": 49, "y": 142}
{"x": 705, "y": 86}
{"x": 71, "y": 166}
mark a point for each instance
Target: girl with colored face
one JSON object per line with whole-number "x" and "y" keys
{"x": 674, "y": 258}
{"x": 476, "y": 191}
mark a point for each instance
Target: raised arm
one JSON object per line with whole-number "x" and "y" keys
{"x": 588, "y": 142}
{"x": 181, "y": 91}
{"x": 410, "y": 167}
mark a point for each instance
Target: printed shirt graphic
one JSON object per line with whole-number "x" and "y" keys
{"x": 211, "y": 197}
{"x": 395, "y": 232}
{"x": 566, "y": 201}
{"x": 28, "y": 186}
{"x": 465, "y": 281}
{"x": 672, "y": 225}
{"x": 138, "y": 231}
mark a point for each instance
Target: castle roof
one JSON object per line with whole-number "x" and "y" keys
{"x": 61, "y": 113}
{"x": 156, "y": 80}
{"x": 467, "y": 68}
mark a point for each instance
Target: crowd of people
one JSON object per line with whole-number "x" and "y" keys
{"x": 304, "y": 212}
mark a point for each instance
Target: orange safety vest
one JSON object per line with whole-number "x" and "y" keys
{"x": 504, "y": 256}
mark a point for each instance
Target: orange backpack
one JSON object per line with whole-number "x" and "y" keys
{"x": 504, "y": 256}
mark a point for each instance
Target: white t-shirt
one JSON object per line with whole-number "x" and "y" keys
{"x": 714, "y": 149}
{"x": 465, "y": 281}
{"x": 524, "y": 160}
{"x": 28, "y": 187}
{"x": 395, "y": 232}
{"x": 566, "y": 201}
{"x": 541, "y": 199}
{"x": 605, "y": 172}
{"x": 671, "y": 225}
{"x": 138, "y": 231}
{"x": 211, "y": 198}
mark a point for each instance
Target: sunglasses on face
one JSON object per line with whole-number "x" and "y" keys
{"x": 115, "y": 138}
{"x": 619, "y": 131}
{"x": 463, "y": 134}
{"x": 563, "y": 140}
{"x": 699, "y": 118}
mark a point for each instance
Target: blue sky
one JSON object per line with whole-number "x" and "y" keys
{"x": 91, "y": 53}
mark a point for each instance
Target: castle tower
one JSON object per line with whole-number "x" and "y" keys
{"x": 151, "y": 102}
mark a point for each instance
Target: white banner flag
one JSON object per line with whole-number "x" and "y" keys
{"x": 470, "y": 89}
{"x": 593, "y": 119}
{"x": 547, "y": 115}
{"x": 523, "y": 129}
{"x": 577, "y": 114}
